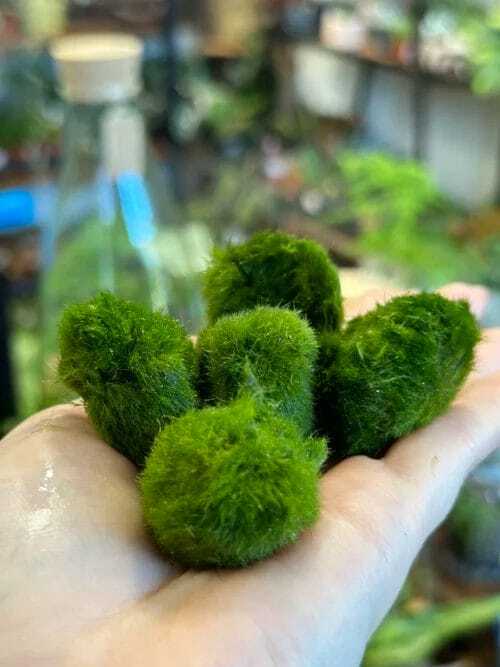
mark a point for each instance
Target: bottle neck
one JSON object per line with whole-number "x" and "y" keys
{"x": 87, "y": 115}
{"x": 105, "y": 138}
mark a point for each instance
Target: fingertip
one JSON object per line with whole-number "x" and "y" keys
{"x": 55, "y": 418}
{"x": 487, "y": 358}
{"x": 477, "y": 296}
{"x": 363, "y": 304}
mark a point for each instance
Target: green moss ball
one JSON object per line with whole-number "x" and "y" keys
{"x": 134, "y": 368}
{"x": 273, "y": 348}
{"x": 392, "y": 371}
{"x": 276, "y": 270}
{"x": 229, "y": 485}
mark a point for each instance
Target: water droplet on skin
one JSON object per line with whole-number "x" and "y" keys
{"x": 47, "y": 485}
{"x": 38, "y": 520}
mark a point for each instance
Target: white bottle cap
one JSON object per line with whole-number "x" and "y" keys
{"x": 98, "y": 68}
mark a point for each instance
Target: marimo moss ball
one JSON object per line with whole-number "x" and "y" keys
{"x": 273, "y": 348}
{"x": 276, "y": 270}
{"x": 134, "y": 368}
{"x": 392, "y": 371}
{"x": 229, "y": 485}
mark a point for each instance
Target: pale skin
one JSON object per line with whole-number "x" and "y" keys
{"x": 81, "y": 584}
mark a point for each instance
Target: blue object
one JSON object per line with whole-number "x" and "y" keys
{"x": 17, "y": 210}
{"x": 136, "y": 209}
{"x": 22, "y": 208}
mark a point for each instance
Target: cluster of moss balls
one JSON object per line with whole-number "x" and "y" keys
{"x": 232, "y": 434}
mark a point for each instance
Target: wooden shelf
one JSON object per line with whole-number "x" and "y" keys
{"x": 216, "y": 48}
{"x": 368, "y": 59}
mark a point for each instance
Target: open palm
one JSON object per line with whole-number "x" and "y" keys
{"x": 81, "y": 583}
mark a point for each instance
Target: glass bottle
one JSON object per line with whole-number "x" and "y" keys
{"x": 114, "y": 225}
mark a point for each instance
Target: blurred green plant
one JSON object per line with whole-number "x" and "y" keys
{"x": 380, "y": 185}
{"x": 236, "y": 101}
{"x": 483, "y": 37}
{"x": 407, "y": 639}
{"x": 27, "y": 100}
{"x": 21, "y": 127}
{"x": 404, "y": 220}
{"x": 394, "y": 211}
{"x": 462, "y": 9}
{"x": 26, "y": 352}
{"x": 232, "y": 113}
{"x": 474, "y": 528}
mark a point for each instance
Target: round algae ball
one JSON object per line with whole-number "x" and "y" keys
{"x": 276, "y": 270}
{"x": 229, "y": 485}
{"x": 273, "y": 348}
{"x": 134, "y": 368}
{"x": 392, "y": 371}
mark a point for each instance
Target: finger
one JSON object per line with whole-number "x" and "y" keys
{"x": 477, "y": 296}
{"x": 436, "y": 460}
{"x": 487, "y": 359}
{"x": 369, "y": 300}
{"x": 69, "y": 417}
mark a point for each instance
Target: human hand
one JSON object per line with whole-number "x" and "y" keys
{"x": 82, "y": 585}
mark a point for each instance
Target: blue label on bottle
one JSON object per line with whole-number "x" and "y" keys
{"x": 136, "y": 208}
